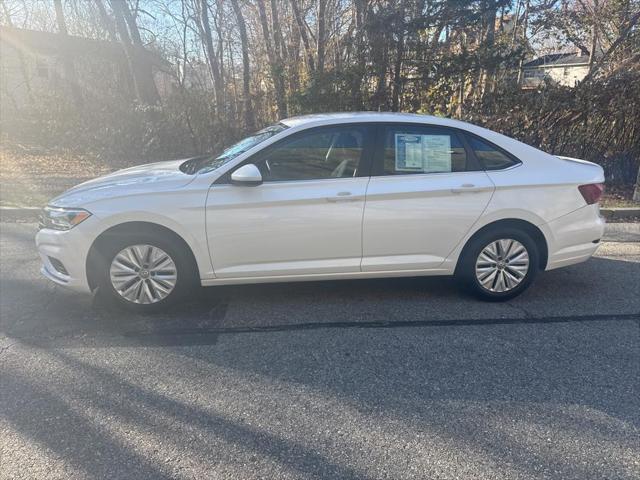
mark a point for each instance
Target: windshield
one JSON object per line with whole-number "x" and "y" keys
{"x": 242, "y": 146}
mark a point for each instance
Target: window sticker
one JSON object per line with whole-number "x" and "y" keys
{"x": 409, "y": 153}
{"x": 437, "y": 153}
{"x": 423, "y": 153}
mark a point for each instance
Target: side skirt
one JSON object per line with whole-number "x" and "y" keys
{"x": 326, "y": 276}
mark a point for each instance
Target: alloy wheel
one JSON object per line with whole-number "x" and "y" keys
{"x": 502, "y": 265}
{"x": 143, "y": 274}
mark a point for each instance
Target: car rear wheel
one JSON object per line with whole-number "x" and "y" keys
{"x": 144, "y": 273}
{"x": 499, "y": 264}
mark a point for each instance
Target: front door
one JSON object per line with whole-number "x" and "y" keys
{"x": 425, "y": 194}
{"x": 305, "y": 218}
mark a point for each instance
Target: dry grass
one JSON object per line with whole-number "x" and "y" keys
{"x": 618, "y": 196}
{"x": 29, "y": 177}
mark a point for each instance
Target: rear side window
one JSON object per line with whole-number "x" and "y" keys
{"x": 416, "y": 149}
{"x": 490, "y": 156}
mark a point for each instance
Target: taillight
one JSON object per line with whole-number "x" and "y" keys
{"x": 591, "y": 192}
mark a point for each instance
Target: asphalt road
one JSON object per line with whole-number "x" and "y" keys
{"x": 393, "y": 379}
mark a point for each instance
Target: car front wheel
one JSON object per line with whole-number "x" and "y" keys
{"x": 144, "y": 273}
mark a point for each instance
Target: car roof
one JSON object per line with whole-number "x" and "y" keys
{"x": 519, "y": 149}
{"x": 319, "y": 119}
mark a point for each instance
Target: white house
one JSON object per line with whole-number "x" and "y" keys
{"x": 561, "y": 68}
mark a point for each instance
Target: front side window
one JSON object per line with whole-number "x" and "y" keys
{"x": 319, "y": 154}
{"x": 489, "y": 155}
{"x": 420, "y": 149}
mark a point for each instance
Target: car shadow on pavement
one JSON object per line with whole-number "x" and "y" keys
{"x": 55, "y": 316}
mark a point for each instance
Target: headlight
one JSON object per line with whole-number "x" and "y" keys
{"x": 58, "y": 218}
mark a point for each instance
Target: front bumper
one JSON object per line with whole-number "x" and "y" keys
{"x": 70, "y": 248}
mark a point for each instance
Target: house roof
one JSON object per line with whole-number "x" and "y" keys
{"x": 558, "y": 59}
{"x": 52, "y": 43}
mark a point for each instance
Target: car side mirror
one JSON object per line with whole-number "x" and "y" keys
{"x": 247, "y": 175}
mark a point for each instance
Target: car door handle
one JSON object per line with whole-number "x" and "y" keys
{"x": 342, "y": 197}
{"x": 468, "y": 188}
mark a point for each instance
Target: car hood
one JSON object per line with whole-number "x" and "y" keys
{"x": 160, "y": 176}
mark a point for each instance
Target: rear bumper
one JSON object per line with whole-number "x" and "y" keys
{"x": 575, "y": 237}
{"x": 70, "y": 248}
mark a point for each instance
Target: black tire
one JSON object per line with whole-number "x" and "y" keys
{"x": 185, "y": 272}
{"x": 466, "y": 269}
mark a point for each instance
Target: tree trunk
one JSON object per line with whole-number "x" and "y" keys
{"x": 249, "y": 116}
{"x": 70, "y": 75}
{"x": 397, "y": 67}
{"x": 302, "y": 28}
{"x": 525, "y": 25}
{"x": 320, "y": 36}
{"x": 636, "y": 193}
{"x": 276, "y": 71}
{"x": 139, "y": 65}
{"x": 280, "y": 48}
{"x": 106, "y": 21}
{"x": 594, "y": 34}
{"x": 359, "y": 71}
{"x": 212, "y": 58}
{"x": 489, "y": 39}
{"x": 220, "y": 12}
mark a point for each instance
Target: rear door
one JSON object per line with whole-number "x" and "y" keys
{"x": 425, "y": 193}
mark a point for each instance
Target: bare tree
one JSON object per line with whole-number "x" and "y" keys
{"x": 274, "y": 64}
{"x": 212, "y": 56}
{"x": 139, "y": 65}
{"x": 249, "y": 115}
{"x": 71, "y": 77}
{"x": 304, "y": 35}
{"x": 106, "y": 21}
{"x": 321, "y": 34}
{"x": 397, "y": 68}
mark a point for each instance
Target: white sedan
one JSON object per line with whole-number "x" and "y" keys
{"x": 326, "y": 197}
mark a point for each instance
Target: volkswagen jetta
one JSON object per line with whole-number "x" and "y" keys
{"x": 332, "y": 196}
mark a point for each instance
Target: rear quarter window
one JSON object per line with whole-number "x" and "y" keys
{"x": 492, "y": 157}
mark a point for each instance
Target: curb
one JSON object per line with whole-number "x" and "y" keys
{"x": 620, "y": 213}
{"x": 19, "y": 214}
